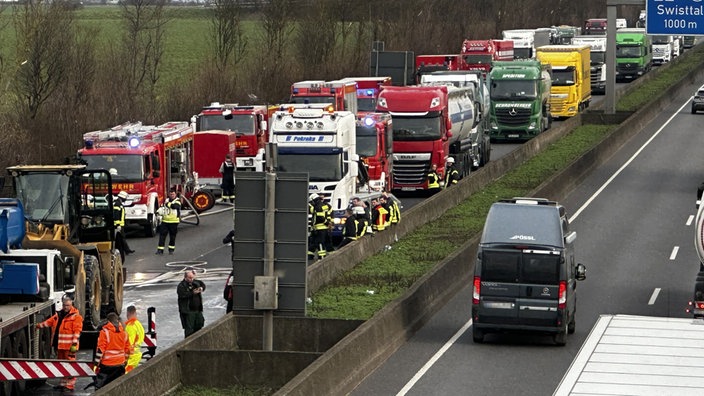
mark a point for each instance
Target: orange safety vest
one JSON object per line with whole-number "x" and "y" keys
{"x": 70, "y": 330}
{"x": 113, "y": 346}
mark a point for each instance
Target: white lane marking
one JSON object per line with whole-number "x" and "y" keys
{"x": 434, "y": 359}
{"x": 654, "y": 296}
{"x": 633, "y": 157}
{"x": 673, "y": 255}
{"x": 690, "y": 219}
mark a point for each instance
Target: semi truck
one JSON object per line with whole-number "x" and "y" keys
{"x": 634, "y": 55}
{"x": 520, "y": 100}
{"x": 665, "y": 48}
{"x": 249, "y": 124}
{"x": 595, "y": 26}
{"x": 481, "y": 54}
{"x": 146, "y": 161}
{"x": 431, "y": 124}
{"x": 571, "y": 90}
{"x": 525, "y": 41}
{"x": 564, "y": 34}
{"x": 597, "y": 60}
{"x": 431, "y": 63}
{"x": 643, "y": 355}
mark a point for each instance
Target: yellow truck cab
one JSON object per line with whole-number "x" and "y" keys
{"x": 571, "y": 84}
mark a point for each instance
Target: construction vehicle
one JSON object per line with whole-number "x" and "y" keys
{"x": 320, "y": 141}
{"x": 597, "y": 60}
{"x": 374, "y": 136}
{"x": 431, "y": 124}
{"x": 525, "y": 41}
{"x": 342, "y": 94}
{"x": 571, "y": 90}
{"x": 520, "y": 100}
{"x": 634, "y": 55}
{"x": 367, "y": 92}
{"x": 146, "y": 161}
{"x": 481, "y": 54}
{"x": 250, "y": 124}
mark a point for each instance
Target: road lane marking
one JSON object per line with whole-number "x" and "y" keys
{"x": 673, "y": 255}
{"x": 633, "y": 157}
{"x": 690, "y": 219}
{"x": 654, "y": 296}
{"x": 434, "y": 359}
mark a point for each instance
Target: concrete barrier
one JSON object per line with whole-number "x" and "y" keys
{"x": 362, "y": 347}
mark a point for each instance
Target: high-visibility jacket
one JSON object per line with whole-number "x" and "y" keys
{"x": 118, "y": 210}
{"x": 433, "y": 180}
{"x": 379, "y": 218}
{"x": 172, "y": 212}
{"x": 69, "y": 331}
{"x": 320, "y": 219}
{"x": 362, "y": 224}
{"x": 395, "y": 211}
{"x": 113, "y": 346}
{"x": 135, "y": 336}
{"x": 452, "y": 176}
{"x": 350, "y": 230}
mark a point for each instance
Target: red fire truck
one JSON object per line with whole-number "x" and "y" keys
{"x": 430, "y": 63}
{"x": 479, "y": 54}
{"x": 146, "y": 161}
{"x": 374, "y": 140}
{"x": 211, "y": 147}
{"x": 341, "y": 93}
{"x": 249, "y": 124}
{"x": 367, "y": 91}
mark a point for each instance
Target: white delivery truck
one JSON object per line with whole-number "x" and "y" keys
{"x": 638, "y": 355}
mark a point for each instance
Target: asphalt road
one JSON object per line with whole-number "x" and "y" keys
{"x": 634, "y": 222}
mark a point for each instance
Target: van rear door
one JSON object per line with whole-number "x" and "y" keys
{"x": 499, "y": 286}
{"x": 539, "y": 289}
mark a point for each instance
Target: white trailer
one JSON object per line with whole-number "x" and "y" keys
{"x": 638, "y": 355}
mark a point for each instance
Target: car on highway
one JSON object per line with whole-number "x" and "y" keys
{"x": 698, "y": 100}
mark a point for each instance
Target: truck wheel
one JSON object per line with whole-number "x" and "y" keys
{"x": 477, "y": 335}
{"x": 91, "y": 320}
{"x": 202, "y": 201}
{"x": 116, "y": 288}
{"x": 150, "y": 227}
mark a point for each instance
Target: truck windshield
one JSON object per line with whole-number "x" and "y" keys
{"x": 366, "y": 141}
{"x": 240, "y": 123}
{"x": 416, "y": 128}
{"x": 366, "y": 104}
{"x": 597, "y": 58}
{"x": 320, "y": 167}
{"x": 518, "y": 267}
{"x": 661, "y": 39}
{"x": 44, "y": 196}
{"x": 313, "y": 99}
{"x": 123, "y": 168}
{"x": 628, "y": 51}
{"x": 513, "y": 90}
{"x": 563, "y": 77}
{"x": 477, "y": 59}
{"x": 522, "y": 53}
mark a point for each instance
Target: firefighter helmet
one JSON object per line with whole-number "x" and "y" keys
{"x": 313, "y": 197}
{"x": 450, "y": 160}
{"x": 358, "y": 210}
{"x": 123, "y": 194}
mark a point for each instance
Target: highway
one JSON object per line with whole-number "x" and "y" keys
{"x": 634, "y": 224}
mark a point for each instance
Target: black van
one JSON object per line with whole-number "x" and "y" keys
{"x": 525, "y": 278}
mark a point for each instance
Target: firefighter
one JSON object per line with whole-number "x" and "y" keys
{"x": 227, "y": 170}
{"x": 362, "y": 220}
{"x": 320, "y": 223}
{"x": 112, "y": 351}
{"x": 119, "y": 217}
{"x": 66, "y": 326}
{"x": 349, "y": 232}
{"x": 378, "y": 216}
{"x": 394, "y": 209}
{"x": 433, "y": 180}
{"x": 171, "y": 216}
{"x": 135, "y": 336}
{"x": 452, "y": 175}
{"x": 327, "y": 208}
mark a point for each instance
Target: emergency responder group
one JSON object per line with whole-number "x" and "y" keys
{"x": 452, "y": 176}
{"x": 359, "y": 220}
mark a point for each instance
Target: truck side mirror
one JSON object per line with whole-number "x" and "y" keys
{"x": 570, "y": 237}
{"x": 581, "y": 272}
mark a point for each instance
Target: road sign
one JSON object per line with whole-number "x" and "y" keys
{"x": 675, "y": 17}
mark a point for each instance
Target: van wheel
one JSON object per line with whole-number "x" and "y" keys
{"x": 560, "y": 338}
{"x": 477, "y": 335}
{"x": 571, "y": 326}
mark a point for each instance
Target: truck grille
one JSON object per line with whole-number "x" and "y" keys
{"x": 557, "y": 106}
{"x": 512, "y": 116}
{"x": 408, "y": 172}
{"x": 627, "y": 67}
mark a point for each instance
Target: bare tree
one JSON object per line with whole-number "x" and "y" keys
{"x": 227, "y": 35}
{"x": 273, "y": 66}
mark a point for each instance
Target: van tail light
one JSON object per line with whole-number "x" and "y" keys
{"x": 562, "y": 295}
{"x": 476, "y": 290}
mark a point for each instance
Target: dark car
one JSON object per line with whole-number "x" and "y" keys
{"x": 698, "y": 100}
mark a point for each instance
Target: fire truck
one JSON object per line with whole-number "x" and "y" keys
{"x": 321, "y": 142}
{"x": 431, "y": 63}
{"x": 342, "y": 94}
{"x": 367, "y": 92}
{"x": 374, "y": 138}
{"x": 480, "y": 54}
{"x": 249, "y": 124}
{"x": 431, "y": 124}
{"x": 217, "y": 144}
{"x": 146, "y": 161}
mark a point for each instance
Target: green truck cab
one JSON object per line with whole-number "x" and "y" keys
{"x": 571, "y": 90}
{"x": 520, "y": 99}
{"x": 634, "y": 56}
